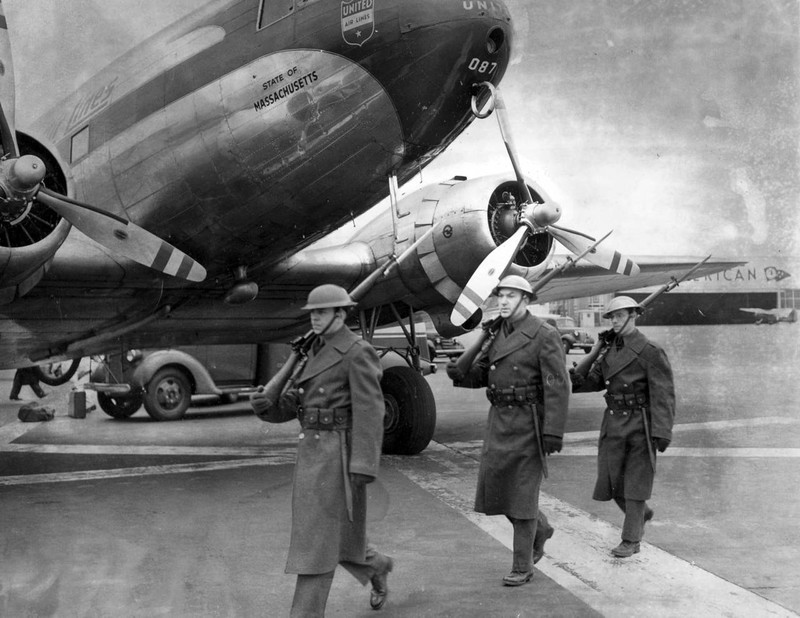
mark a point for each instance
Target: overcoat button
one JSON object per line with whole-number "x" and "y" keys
{"x": 316, "y": 436}
{"x": 301, "y": 391}
{"x": 301, "y": 436}
{"x": 493, "y": 367}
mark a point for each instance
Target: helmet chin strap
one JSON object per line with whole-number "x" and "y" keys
{"x": 329, "y": 324}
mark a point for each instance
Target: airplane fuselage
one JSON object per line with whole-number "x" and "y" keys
{"x": 245, "y": 132}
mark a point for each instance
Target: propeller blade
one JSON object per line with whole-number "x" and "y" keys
{"x": 505, "y": 131}
{"x": 605, "y": 257}
{"x": 8, "y": 134}
{"x": 486, "y": 277}
{"x": 123, "y": 237}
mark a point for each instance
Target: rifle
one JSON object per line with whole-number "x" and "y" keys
{"x": 480, "y": 346}
{"x": 284, "y": 379}
{"x": 607, "y": 337}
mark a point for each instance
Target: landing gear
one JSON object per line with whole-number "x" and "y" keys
{"x": 120, "y": 406}
{"x": 56, "y": 374}
{"x": 410, "y": 411}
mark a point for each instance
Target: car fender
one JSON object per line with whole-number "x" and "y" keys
{"x": 202, "y": 382}
{"x": 568, "y": 337}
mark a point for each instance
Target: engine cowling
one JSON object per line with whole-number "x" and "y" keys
{"x": 472, "y": 217}
{"x": 30, "y": 234}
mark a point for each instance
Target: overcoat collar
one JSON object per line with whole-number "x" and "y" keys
{"x": 330, "y": 354}
{"x": 634, "y": 344}
{"x": 524, "y": 331}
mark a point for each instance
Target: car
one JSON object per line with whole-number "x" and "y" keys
{"x": 167, "y": 380}
{"x": 447, "y": 347}
{"x": 572, "y": 337}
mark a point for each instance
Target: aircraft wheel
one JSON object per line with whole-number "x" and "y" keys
{"x": 56, "y": 374}
{"x": 168, "y": 395}
{"x": 410, "y": 411}
{"x": 120, "y": 406}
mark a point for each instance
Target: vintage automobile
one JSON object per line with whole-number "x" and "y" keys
{"x": 572, "y": 337}
{"x": 166, "y": 381}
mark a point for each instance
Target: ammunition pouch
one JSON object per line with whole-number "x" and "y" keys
{"x": 624, "y": 402}
{"x": 325, "y": 419}
{"x": 515, "y": 395}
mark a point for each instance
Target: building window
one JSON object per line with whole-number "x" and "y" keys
{"x": 789, "y": 299}
{"x": 80, "y": 145}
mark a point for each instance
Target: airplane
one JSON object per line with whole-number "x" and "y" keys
{"x": 771, "y": 316}
{"x": 178, "y": 196}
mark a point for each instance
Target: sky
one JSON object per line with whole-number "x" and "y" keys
{"x": 672, "y": 122}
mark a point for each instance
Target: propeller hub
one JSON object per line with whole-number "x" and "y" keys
{"x": 26, "y": 173}
{"x": 545, "y": 214}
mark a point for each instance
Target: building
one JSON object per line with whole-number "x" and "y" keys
{"x": 763, "y": 291}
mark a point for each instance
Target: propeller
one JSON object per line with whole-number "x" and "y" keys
{"x": 21, "y": 179}
{"x": 123, "y": 237}
{"x": 533, "y": 218}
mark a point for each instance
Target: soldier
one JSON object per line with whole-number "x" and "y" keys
{"x": 337, "y": 398}
{"x": 640, "y": 409}
{"x": 525, "y": 373}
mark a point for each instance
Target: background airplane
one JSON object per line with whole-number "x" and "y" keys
{"x": 771, "y": 316}
{"x": 200, "y": 167}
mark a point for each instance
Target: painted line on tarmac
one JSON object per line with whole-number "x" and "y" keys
{"x": 581, "y": 436}
{"x": 473, "y": 448}
{"x": 278, "y": 458}
{"x": 653, "y": 582}
{"x": 114, "y": 449}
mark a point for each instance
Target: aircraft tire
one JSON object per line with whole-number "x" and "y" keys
{"x": 410, "y": 411}
{"x": 120, "y": 406}
{"x": 168, "y": 395}
{"x": 52, "y": 374}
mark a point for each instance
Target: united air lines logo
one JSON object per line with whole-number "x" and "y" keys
{"x": 358, "y": 21}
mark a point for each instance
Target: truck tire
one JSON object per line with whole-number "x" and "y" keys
{"x": 120, "y": 406}
{"x": 410, "y": 411}
{"x": 168, "y": 395}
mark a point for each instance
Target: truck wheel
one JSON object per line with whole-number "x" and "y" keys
{"x": 56, "y": 374}
{"x": 410, "y": 411}
{"x": 120, "y": 406}
{"x": 168, "y": 395}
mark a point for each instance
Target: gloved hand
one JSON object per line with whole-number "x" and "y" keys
{"x": 661, "y": 444}
{"x": 453, "y": 372}
{"x": 259, "y": 401}
{"x": 552, "y": 444}
{"x": 357, "y": 480}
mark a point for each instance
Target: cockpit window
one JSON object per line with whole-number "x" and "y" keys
{"x": 273, "y": 10}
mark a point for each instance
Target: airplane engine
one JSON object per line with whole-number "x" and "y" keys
{"x": 472, "y": 218}
{"x": 30, "y": 233}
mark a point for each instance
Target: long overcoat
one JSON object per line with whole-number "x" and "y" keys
{"x": 345, "y": 373}
{"x": 624, "y": 469}
{"x": 510, "y": 471}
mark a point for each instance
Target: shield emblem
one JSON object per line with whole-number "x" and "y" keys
{"x": 358, "y": 21}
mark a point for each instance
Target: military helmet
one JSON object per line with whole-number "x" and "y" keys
{"x": 328, "y": 296}
{"x": 621, "y": 302}
{"x": 514, "y": 282}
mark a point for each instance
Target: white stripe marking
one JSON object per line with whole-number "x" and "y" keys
{"x": 473, "y": 449}
{"x": 97, "y": 475}
{"x": 653, "y": 582}
{"x": 580, "y": 436}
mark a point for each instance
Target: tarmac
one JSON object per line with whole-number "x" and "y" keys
{"x": 102, "y": 517}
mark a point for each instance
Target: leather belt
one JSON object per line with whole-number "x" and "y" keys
{"x": 515, "y": 395}
{"x": 326, "y": 419}
{"x": 625, "y": 403}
